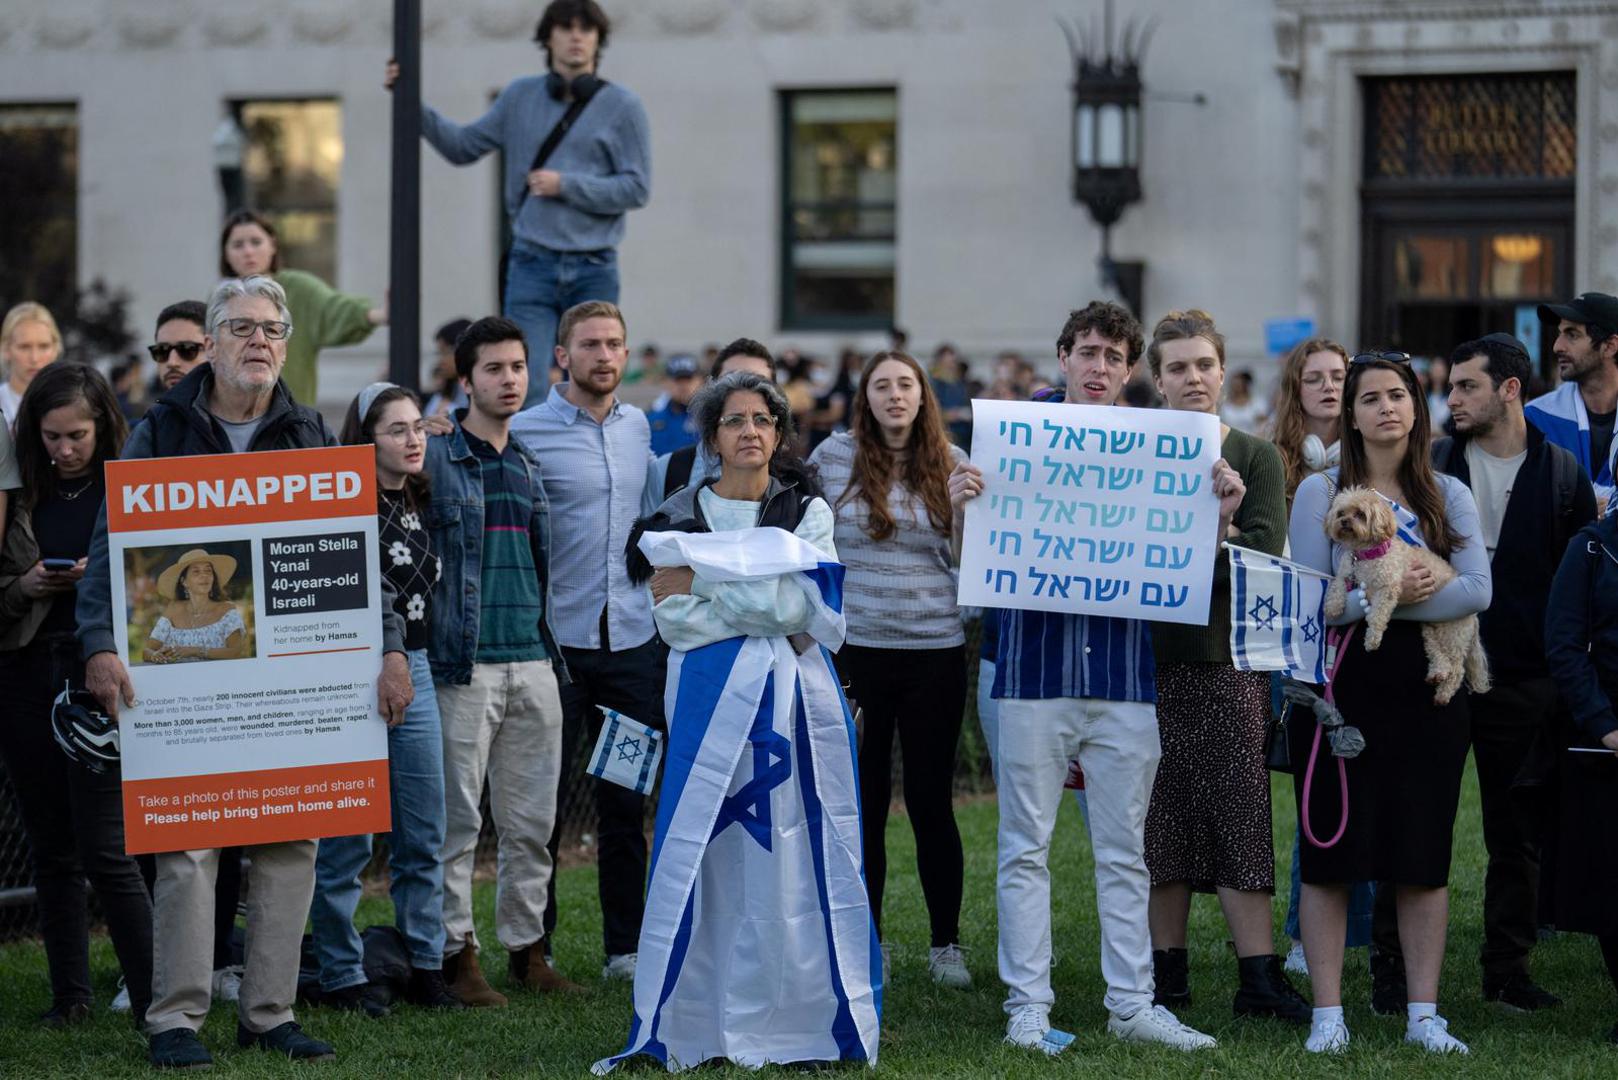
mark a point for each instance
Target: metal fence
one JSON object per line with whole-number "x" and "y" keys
{"x": 575, "y": 812}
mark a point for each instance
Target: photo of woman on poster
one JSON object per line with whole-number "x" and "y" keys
{"x": 198, "y": 622}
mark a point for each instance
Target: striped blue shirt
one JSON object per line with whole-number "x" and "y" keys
{"x": 1046, "y": 654}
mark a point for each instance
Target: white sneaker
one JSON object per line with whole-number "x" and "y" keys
{"x": 1156, "y": 1024}
{"x": 1328, "y": 1037}
{"x": 227, "y": 983}
{"x": 1030, "y": 1027}
{"x": 1296, "y": 963}
{"x": 1431, "y": 1033}
{"x": 120, "y": 1000}
{"x": 620, "y": 967}
{"x": 947, "y": 966}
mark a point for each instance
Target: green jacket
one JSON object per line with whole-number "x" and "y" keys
{"x": 322, "y": 318}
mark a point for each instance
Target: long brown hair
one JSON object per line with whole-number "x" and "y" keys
{"x": 1287, "y": 432}
{"x": 1416, "y": 477}
{"x": 926, "y": 469}
{"x": 64, "y": 383}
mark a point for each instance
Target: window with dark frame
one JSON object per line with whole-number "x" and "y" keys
{"x": 839, "y": 191}
{"x": 39, "y": 205}
{"x": 291, "y": 169}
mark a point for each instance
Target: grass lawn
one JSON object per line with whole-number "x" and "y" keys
{"x": 926, "y": 1031}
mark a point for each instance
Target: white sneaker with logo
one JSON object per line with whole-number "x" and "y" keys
{"x": 620, "y": 967}
{"x": 1030, "y": 1027}
{"x": 1155, "y": 1024}
{"x": 1296, "y": 964}
{"x": 227, "y": 983}
{"x": 120, "y": 1000}
{"x": 947, "y": 965}
{"x": 1431, "y": 1033}
{"x": 1327, "y": 1037}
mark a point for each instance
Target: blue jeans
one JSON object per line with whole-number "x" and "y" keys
{"x": 416, "y": 783}
{"x": 540, "y": 285}
{"x": 1361, "y": 902}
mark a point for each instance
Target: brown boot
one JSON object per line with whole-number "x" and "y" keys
{"x": 466, "y": 979}
{"x": 530, "y": 967}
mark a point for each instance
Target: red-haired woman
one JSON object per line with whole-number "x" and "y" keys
{"x": 905, "y": 658}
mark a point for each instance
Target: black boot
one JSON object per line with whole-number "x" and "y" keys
{"x": 1171, "y": 976}
{"x": 429, "y": 990}
{"x": 1389, "y": 995}
{"x": 1266, "y": 991}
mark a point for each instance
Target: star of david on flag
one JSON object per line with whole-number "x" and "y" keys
{"x": 626, "y": 752}
{"x": 1276, "y": 615}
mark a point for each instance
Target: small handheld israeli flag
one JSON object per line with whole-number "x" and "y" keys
{"x": 1277, "y": 615}
{"x": 626, "y": 753}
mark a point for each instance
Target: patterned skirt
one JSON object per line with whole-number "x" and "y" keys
{"x": 1209, "y": 820}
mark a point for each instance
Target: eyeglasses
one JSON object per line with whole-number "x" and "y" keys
{"x": 244, "y": 328}
{"x": 188, "y": 350}
{"x": 401, "y": 432}
{"x": 733, "y": 421}
{"x": 1388, "y": 357}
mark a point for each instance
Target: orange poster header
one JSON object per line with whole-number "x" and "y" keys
{"x": 240, "y": 489}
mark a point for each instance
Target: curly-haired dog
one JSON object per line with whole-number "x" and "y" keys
{"x": 1362, "y": 521}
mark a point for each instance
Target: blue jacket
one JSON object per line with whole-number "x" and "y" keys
{"x": 455, "y": 523}
{"x": 1561, "y": 415}
{"x": 671, "y": 428}
{"x": 1581, "y": 628}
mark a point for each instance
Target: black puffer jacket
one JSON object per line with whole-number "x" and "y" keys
{"x": 1581, "y": 628}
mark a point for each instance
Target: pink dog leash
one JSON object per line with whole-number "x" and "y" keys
{"x": 1341, "y": 648}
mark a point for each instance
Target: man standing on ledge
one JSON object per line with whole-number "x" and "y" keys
{"x": 567, "y": 210}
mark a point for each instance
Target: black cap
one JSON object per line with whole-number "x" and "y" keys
{"x": 681, "y": 366}
{"x": 1586, "y": 309}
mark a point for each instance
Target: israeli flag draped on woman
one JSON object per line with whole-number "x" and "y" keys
{"x": 758, "y": 944}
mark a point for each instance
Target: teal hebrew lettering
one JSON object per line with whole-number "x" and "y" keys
{"x": 1094, "y": 510}
{"x": 1161, "y": 557}
{"x": 1063, "y": 470}
{"x": 1004, "y": 504}
{"x": 1057, "y": 432}
{"x": 1015, "y": 428}
{"x": 1173, "y": 483}
{"x": 1064, "y": 545}
{"x": 1181, "y": 449}
{"x": 1003, "y": 580}
{"x": 1120, "y": 478}
{"x": 1010, "y": 465}
{"x": 1126, "y": 442}
{"x": 1195, "y": 484}
{"x": 1101, "y": 475}
{"x": 1064, "y": 509}
{"x": 1163, "y": 521}
{"x": 1114, "y": 516}
{"x": 1007, "y": 539}
{"x": 1089, "y": 545}
{"x": 1116, "y": 550}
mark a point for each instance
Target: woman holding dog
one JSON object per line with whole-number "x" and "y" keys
{"x": 1403, "y": 789}
{"x": 1208, "y": 825}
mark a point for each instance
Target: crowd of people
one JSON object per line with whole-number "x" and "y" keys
{"x": 517, "y": 615}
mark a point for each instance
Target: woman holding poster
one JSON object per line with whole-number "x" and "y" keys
{"x": 199, "y": 621}
{"x": 758, "y": 945}
{"x": 1208, "y": 825}
{"x": 68, "y": 425}
{"x": 1402, "y": 793}
{"x": 888, "y": 483}
{"x": 389, "y": 417}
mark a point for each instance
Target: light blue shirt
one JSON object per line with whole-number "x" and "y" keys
{"x": 594, "y": 476}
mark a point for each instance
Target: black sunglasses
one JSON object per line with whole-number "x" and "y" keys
{"x": 188, "y": 350}
{"x": 1387, "y": 357}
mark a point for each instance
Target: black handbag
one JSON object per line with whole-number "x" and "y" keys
{"x": 1277, "y": 744}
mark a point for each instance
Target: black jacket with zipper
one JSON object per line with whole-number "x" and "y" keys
{"x": 1543, "y": 513}
{"x": 1581, "y": 628}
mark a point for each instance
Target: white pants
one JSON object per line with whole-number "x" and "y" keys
{"x": 506, "y": 727}
{"x": 1117, "y": 746}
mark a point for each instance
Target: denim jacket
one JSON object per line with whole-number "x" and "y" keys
{"x": 455, "y": 523}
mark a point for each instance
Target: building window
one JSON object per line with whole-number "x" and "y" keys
{"x": 839, "y": 180}
{"x": 39, "y": 205}
{"x": 290, "y": 169}
{"x": 1427, "y": 128}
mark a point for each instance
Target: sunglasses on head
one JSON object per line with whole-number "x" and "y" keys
{"x": 188, "y": 350}
{"x": 1389, "y": 357}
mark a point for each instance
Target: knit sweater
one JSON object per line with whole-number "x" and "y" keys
{"x": 322, "y": 318}
{"x": 1262, "y": 520}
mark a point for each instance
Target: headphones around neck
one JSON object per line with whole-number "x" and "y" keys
{"x": 583, "y": 87}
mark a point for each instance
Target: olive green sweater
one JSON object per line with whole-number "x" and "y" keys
{"x": 322, "y": 318}
{"x": 1262, "y": 521}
